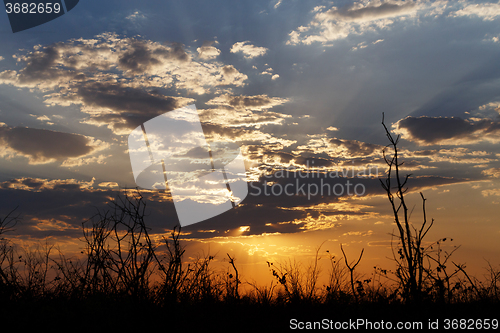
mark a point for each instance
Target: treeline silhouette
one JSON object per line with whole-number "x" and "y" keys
{"x": 125, "y": 277}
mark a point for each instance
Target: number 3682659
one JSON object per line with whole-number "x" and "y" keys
{"x": 33, "y": 8}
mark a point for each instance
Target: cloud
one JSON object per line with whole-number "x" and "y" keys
{"x": 250, "y": 51}
{"x": 492, "y": 172}
{"x": 141, "y": 57}
{"x": 284, "y": 213}
{"x": 45, "y": 146}
{"x": 110, "y": 58}
{"x": 339, "y": 148}
{"x": 255, "y": 102}
{"x": 363, "y": 45}
{"x": 40, "y": 66}
{"x": 118, "y": 97}
{"x": 43, "y": 119}
{"x": 40, "y": 184}
{"x": 117, "y": 80}
{"x": 354, "y": 148}
{"x": 41, "y": 201}
{"x": 447, "y": 130}
{"x": 74, "y": 201}
{"x": 137, "y": 15}
{"x": 338, "y": 23}
{"x": 269, "y": 71}
{"x": 241, "y": 118}
{"x": 208, "y": 51}
{"x": 494, "y": 192}
{"x": 460, "y": 155}
{"x": 371, "y": 11}
{"x": 245, "y": 136}
{"x": 486, "y": 11}
{"x": 335, "y": 23}
{"x": 122, "y": 108}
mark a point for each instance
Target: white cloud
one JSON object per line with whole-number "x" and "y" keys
{"x": 338, "y": 23}
{"x": 250, "y": 51}
{"x": 135, "y": 16}
{"x": 208, "y": 51}
{"x": 486, "y": 11}
{"x": 269, "y": 71}
{"x": 363, "y": 45}
{"x": 43, "y": 118}
{"x": 334, "y": 23}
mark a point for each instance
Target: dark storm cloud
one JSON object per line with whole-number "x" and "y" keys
{"x": 39, "y": 66}
{"x": 132, "y": 106}
{"x": 265, "y": 212}
{"x": 314, "y": 161}
{"x": 448, "y": 130}
{"x": 249, "y": 101}
{"x": 44, "y": 145}
{"x": 255, "y": 102}
{"x": 141, "y": 58}
{"x": 125, "y": 99}
{"x": 424, "y": 153}
{"x": 72, "y": 202}
{"x": 372, "y": 11}
{"x": 138, "y": 59}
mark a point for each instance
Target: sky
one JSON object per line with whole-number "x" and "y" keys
{"x": 299, "y": 86}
